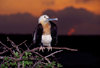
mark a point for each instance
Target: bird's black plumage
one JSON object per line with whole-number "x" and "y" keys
{"x": 37, "y": 35}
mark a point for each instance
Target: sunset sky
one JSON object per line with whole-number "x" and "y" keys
{"x": 77, "y": 17}
{"x": 36, "y": 7}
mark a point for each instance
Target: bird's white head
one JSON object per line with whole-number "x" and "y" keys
{"x": 46, "y": 19}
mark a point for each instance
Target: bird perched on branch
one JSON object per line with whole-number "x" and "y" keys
{"x": 45, "y": 34}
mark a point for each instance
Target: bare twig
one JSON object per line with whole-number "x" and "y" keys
{"x": 22, "y": 43}
{"x": 53, "y": 53}
{"x": 46, "y": 58}
{"x": 65, "y": 48}
{"x": 26, "y": 46}
{"x": 7, "y": 48}
{"x": 18, "y": 65}
{"x": 3, "y": 52}
{"x": 36, "y": 63}
{"x": 59, "y": 48}
{"x": 13, "y": 44}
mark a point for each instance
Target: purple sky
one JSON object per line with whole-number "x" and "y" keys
{"x": 81, "y": 20}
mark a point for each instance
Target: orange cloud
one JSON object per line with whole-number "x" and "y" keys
{"x": 36, "y": 7}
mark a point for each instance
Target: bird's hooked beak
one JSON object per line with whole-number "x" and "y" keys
{"x": 53, "y": 19}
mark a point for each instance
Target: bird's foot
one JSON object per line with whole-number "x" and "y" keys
{"x": 41, "y": 48}
{"x": 49, "y": 48}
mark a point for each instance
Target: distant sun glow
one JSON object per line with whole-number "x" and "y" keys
{"x": 37, "y": 7}
{"x": 71, "y": 31}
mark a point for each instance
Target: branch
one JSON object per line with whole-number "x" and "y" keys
{"x": 53, "y": 53}
{"x": 13, "y": 44}
{"x": 59, "y": 48}
{"x": 18, "y": 65}
{"x": 65, "y": 48}
{"x": 28, "y": 50}
{"x": 10, "y": 49}
{"x": 46, "y": 58}
{"x": 3, "y": 52}
{"x": 26, "y": 46}
{"x": 22, "y": 43}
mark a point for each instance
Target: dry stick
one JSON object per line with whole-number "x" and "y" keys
{"x": 26, "y": 46}
{"x": 10, "y": 49}
{"x": 22, "y": 43}
{"x": 3, "y": 52}
{"x": 46, "y": 58}
{"x": 22, "y": 64}
{"x": 65, "y": 48}
{"x": 43, "y": 57}
{"x": 36, "y": 63}
{"x": 33, "y": 50}
{"x": 53, "y": 53}
{"x": 13, "y": 44}
{"x": 40, "y": 60}
{"x": 18, "y": 65}
{"x": 21, "y": 49}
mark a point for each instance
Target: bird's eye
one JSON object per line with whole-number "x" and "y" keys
{"x": 44, "y": 16}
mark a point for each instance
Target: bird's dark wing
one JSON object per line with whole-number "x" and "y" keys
{"x": 53, "y": 33}
{"x": 37, "y": 35}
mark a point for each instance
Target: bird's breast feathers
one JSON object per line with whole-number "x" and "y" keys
{"x": 46, "y": 40}
{"x": 46, "y": 29}
{"x": 46, "y": 37}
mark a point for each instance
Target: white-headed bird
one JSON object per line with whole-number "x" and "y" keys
{"x": 45, "y": 34}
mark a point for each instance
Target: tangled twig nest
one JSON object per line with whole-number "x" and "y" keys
{"x": 17, "y": 53}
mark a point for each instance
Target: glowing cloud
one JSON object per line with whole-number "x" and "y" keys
{"x": 36, "y": 7}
